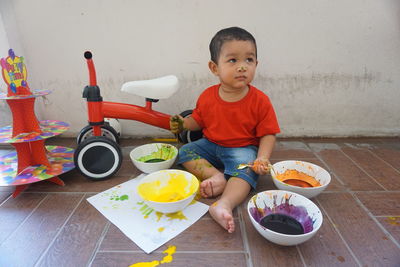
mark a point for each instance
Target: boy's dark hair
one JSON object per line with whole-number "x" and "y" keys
{"x": 228, "y": 34}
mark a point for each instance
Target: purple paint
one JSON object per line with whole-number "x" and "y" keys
{"x": 298, "y": 213}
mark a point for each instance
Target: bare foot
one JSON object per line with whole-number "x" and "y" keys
{"x": 213, "y": 186}
{"x": 222, "y": 214}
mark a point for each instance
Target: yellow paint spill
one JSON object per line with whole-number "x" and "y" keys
{"x": 146, "y": 264}
{"x": 177, "y": 215}
{"x": 393, "y": 220}
{"x": 167, "y": 259}
{"x": 170, "y": 251}
{"x": 175, "y": 188}
{"x": 159, "y": 215}
{"x": 161, "y": 229}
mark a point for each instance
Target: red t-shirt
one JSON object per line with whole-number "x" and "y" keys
{"x": 235, "y": 124}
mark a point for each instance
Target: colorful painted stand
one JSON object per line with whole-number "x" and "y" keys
{"x": 32, "y": 161}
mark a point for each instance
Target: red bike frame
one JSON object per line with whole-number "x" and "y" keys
{"x": 99, "y": 109}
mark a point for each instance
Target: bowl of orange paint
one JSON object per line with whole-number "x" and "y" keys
{"x": 284, "y": 218}
{"x": 168, "y": 191}
{"x": 301, "y": 177}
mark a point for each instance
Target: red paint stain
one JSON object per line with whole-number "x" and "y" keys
{"x": 341, "y": 259}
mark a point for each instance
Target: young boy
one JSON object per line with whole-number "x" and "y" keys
{"x": 238, "y": 123}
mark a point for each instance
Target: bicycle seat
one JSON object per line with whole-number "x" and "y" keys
{"x": 158, "y": 88}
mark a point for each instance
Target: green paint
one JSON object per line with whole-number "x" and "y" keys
{"x": 145, "y": 210}
{"x": 119, "y": 198}
{"x": 165, "y": 152}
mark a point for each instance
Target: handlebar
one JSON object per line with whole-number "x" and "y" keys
{"x": 92, "y": 71}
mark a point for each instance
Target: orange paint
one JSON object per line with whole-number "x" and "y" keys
{"x": 296, "y": 178}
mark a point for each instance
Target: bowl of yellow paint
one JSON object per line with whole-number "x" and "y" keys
{"x": 168, "y": 191}
{"x": 154, "y": 157}
{"x": 301, "y": 177}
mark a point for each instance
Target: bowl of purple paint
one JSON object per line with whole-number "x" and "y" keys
{"x": 284, "y": 218}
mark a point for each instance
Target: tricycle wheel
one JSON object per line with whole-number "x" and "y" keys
{"x": 106, "y": 131}
{"x": 187, "y": 136}
{"x": 98, "y": 158}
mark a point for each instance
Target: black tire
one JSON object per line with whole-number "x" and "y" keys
{"x": 187, "y": 136}
{"x": 106, "y": 131}
{"x": 98, "y": 158}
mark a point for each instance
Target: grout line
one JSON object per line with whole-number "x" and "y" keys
{"x": 385, "y": 216}
{"x": 384, "y": 161}
{"x": 177, "y": 252}
{"x": 6, "y": 199}
{"x": 101, "y": 238}
{"x": 59, "y": 231}
{"x": 245, "y": 239}
{"x": 340, "y": 234}
{"x": 327, "y": 166}
{"x": 386, "y": 232}
{"x": 301, "y": 256}
{"x": 56, "y": 192}
{"x": 361, "y": 168}
{"x": 300, "y": 158}
{"x": 27, "y": 217}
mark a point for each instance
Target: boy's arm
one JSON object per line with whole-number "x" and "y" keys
{"x": 265, "y": 148}
{"x": 177, "y": 124}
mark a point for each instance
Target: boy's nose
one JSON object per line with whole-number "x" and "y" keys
{"x": 242, "y": 68}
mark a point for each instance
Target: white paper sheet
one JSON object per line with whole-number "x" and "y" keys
{"x": 143, "y": 225}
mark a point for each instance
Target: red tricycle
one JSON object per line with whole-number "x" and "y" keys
{"x": 98, "y": 155}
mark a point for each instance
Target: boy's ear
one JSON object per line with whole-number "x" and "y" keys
{"x": 213, "y": 67}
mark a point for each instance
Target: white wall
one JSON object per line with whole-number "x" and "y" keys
{"x": 5, "y": 114}
{"x": 331, "y": 68}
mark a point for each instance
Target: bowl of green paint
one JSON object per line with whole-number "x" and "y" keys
{"x": 284, "y": 218}
{"x": 154, "y": 157}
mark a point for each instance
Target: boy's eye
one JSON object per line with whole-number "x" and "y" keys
{"x": 232, "y": 60}
{"x": 250, "y": 59}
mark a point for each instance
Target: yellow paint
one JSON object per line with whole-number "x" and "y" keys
{"x": 167, "y": 259}
{"x": 177, "y": 215}
{"x": 176, "y": 188}
{"x": 393, "y": 220}
{"x": 146, "y": 264}
{"x": 170, "y": 250}
{"x": 161, "y": 229}
{"x": 159, "y": 215}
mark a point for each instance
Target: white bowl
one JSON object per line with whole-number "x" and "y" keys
{"x": 288, "y": 203}
{"x": 168, "y": 191}
{"x": 319, "y": 173}
{"x": 154, "y": 150}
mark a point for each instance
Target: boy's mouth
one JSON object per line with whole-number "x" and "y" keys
{"x": 241, "y": 78}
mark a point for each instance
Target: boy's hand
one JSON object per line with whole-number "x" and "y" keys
{"x": 260, "y": 166}
{"x": 176, "y": 124}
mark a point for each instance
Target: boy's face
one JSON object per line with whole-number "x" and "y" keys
{"x": 236, "y": 64}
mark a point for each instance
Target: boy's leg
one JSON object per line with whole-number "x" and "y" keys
{"x": 235, "y": 192}
{"x": 238, "y": 186}
{"x": 199, "y": 158}
{"x": 213, "y": 181}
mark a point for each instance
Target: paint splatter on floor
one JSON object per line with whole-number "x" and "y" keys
{"x": 393, "y": 220}
{"x": 167, "y": 259}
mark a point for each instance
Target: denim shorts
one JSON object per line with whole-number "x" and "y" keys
{"x": 223, "y": 158}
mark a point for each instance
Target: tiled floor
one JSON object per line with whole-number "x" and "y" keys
{"x": 50, "y": 225}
